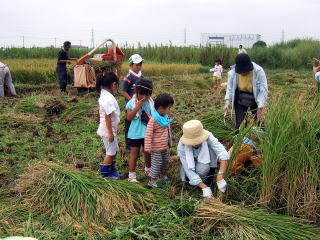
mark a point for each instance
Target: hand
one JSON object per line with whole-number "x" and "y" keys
{"x": 260, "y": 113}
{"x": 222, "y": 185}
{"x": 206, "y": 192}
{"x": 139, "y": 103}
{"x": 68, "y": 62}
{"x": 227, "y": 105}
{"x": 111, "y": 138}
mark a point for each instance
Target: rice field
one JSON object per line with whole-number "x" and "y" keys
{"x": 50, "y": 187}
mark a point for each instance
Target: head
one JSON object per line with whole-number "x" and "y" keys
{"x": 193, "y": 133}
{"x": 243, "y": 64}
{"x": 67, "y": 45}
{"x": 135, "y": 62}
{"x": 163, "y": 103}
{"x": 240, "y": 46}
{"x": 218, "y": 61}
{"x": 108, "y": 81}
{"x": 143, "y": 88}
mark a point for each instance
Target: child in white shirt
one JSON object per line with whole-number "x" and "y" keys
{"x": 109, "y": 111}
{"x": 217, "y": 72}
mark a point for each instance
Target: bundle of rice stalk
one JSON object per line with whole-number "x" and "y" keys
{"x": 249, "y": 224}
{"x": 78, "y": 198}
{"x": 79, "y": 110}
{"x": 53, "y": 106}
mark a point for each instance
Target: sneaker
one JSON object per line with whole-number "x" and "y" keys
{"x": 133, "y": 180}
{"x": 164, "y": 180}
{"x": 152, "y": 184}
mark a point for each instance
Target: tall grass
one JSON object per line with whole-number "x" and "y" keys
{"x": 290, "y": 176}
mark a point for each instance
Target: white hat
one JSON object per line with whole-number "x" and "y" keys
{"x": 193, "y": 133}
{"x": 135, "y": 58}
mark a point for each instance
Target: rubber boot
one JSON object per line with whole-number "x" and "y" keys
{"x": 114, "y": 171}
{"x": 106, "y": 172}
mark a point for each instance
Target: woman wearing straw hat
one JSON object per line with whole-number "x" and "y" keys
{"x": 199, "y": 151}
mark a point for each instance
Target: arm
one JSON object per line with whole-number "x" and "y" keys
{"x": 263, "y": 89}
{"x": 229, "y": 93}
{"x": 109, "y": 127}
{"x": 148, "y": 136}
{"x": 63, "y": 61}
{"x": 125, "y": 95}
{"x": 131, "y": 113}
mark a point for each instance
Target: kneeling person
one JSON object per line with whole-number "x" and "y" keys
{"x": 199, "y": 151}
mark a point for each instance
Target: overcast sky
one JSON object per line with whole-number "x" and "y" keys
{"x": 154, "y": 21}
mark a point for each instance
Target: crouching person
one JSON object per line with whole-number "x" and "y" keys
{"x": 199, "y": 151}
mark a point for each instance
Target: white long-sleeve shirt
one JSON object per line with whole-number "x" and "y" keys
{"x": 217, "y": 70}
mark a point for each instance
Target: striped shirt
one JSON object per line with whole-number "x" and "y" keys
{"x": 157, "y": 138}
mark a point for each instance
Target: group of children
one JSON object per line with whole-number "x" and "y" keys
{"x": 147, "y": 124}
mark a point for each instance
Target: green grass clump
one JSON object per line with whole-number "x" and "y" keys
{"x": 79, "y": 198}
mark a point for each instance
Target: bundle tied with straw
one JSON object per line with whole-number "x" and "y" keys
{"x": 241, "y": 223}
{"x": 80, "y": 199}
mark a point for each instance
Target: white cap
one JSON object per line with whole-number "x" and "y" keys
{"x": 135, "y": 58}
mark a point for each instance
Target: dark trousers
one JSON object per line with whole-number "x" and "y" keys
{"x": 241, "y": 111}
{"x": 63, "y": 78}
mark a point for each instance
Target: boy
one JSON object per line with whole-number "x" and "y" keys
{"x": 158, "y": 139}
{"x": 129, "y": 81}
{"x": 63, "y": 59}
{"x": 217, "y": 71}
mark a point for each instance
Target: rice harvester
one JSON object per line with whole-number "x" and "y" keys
{"x": 88, "y": 67}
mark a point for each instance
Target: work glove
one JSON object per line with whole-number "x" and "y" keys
{"x": 226, "y": 105}
{"x": 222, "y": 185}
{"x": 207, "y": 193}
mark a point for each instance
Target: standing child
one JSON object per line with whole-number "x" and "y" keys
{"x": 217, "y": 71}
{"x": 316, "y": 71}
{"x": 158, "y": 139}
{"x": 138, "y": 112}
{"x": 107, "y": 84}
{"x": 129, "y": 81}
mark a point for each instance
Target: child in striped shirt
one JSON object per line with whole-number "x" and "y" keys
{"x": 158, "y": 139}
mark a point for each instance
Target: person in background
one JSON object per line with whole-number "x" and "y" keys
{"x": 199, "y": 151}
{"x": 129, "y": 81}
{"x": 63, "y": 59}
{"x": 139, "y": 110}
{"x": 6, "y": 80}
{"x": 217, "y": 71}
{"x": 316, "y": 71}
{"x": 107, "y": 84}
{"x": 158, "y": 139}
{"x": 247, "y": 89}
{"x": 242, "y": 49}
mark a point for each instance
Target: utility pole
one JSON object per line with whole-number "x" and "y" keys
{"x": 55, "y": 42}
{"x": 282, "y": 36}
{"x": 92, "y": 38}
{"x": 23, "y": 41}
{"x": 80, "y": 42}
{"x": 185, "y": 36}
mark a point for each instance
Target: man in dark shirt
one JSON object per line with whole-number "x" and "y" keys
{"x": 63, "y": 59}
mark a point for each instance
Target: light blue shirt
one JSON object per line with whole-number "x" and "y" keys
{"x": 259, "y": 84}
{"x": 317, "y": 77}
{"x": 137, "y": 129}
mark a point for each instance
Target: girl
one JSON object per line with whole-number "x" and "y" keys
{"x": 138, "y": 112}
{"x": 109, "y": 111}
{"x": 217, "y": 71}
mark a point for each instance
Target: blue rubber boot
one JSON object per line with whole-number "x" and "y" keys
{"x": 114, "y": 171}
{"x": 106, "y": 172}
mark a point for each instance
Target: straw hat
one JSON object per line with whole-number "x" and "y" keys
{"x": 193, "y": 133}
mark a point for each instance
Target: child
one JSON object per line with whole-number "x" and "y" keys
{"x": 129, "y": 81}
{"x": 138, "y": 112}
{"x": 107, "y": 84}
{"x": 158, "y": 139}
{"x": 217, "y": 71}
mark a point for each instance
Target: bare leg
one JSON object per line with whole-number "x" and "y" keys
{"x": 108, "y": 160}
{"x": 147, "y": 159}
{"x": 134, "y": 154}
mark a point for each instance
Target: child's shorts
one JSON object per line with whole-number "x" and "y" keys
{"x": 111, "y": 147}
{"x": 136, "y": 142}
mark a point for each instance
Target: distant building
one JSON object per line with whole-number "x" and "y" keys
{"x": 229, "y": 39}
